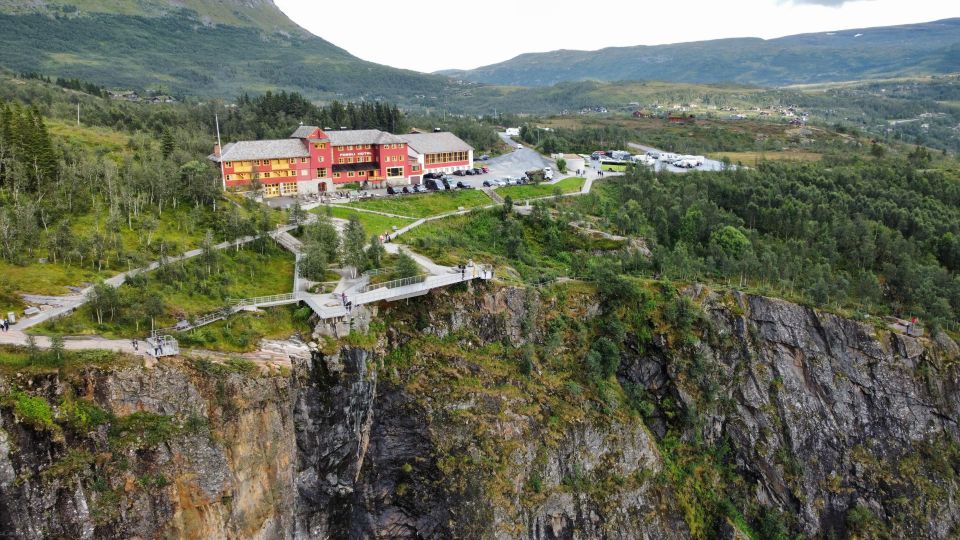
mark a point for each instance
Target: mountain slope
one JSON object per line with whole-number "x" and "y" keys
{"x": 194, "y": 47}
{"x": 926, "y": 48}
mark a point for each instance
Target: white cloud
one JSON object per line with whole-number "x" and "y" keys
{"x": 428, "y": 35}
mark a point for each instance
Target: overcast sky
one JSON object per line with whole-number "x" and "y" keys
{"x": 428, "y": 35}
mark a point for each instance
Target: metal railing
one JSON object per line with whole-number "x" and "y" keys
{"x": 403, "y": 282}
{"x": 288, "y": 241}
{"x": 260, "y": 300}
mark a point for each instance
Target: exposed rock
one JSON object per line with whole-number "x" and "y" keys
{"x": 821, "y": 415}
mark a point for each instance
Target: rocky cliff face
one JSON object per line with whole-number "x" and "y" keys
{"x": 470, "y": 417}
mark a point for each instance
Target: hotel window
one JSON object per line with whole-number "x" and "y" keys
{"x": 336, "y": 175}
{"x": 229, "y": 177}
{"x": 304, "y": 160}
{"x": 320, "y": 159}
{"x": 362, "y": 173}
{"x": 322, "y": 173}
{"x": 350, "y": 174}
{"x": 349, "y": 147}
{"x": 341, "y": 161}
{"x": 292, "y": 160}
{"x": 292, "y": 173}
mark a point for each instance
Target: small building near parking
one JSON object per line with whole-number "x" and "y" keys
{"x": 439, "y": 152}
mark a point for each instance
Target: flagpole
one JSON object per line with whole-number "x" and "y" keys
{"x": 223, "y": 174}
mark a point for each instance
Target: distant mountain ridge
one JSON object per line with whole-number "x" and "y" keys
{"x": 208, "y": 48}
{"x": 914, "y": 49}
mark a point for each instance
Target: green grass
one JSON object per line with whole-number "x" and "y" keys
{"x": 188, "y": 289}
{"x": 530, "y": 191}
{"x": 15, "y": 359}
{"x": 752, "y": 159}
{"x": 242, "y": 332}
{"x": 96, "y": 138}
{"x": 177, "y": 230}
{"x": 425, "y": 205}
{"x": 372, "y": 223}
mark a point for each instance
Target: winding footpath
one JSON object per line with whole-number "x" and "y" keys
{"x": 275, "y": 351}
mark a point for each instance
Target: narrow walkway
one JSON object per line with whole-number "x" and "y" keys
{"x": 270, "y": 350}
{"x": 492, "y": 193}
{"x": 66, "y": 304}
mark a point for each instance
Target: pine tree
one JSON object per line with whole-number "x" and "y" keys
{"x": 353, "y": 242}
{"x": 167, "y": 144}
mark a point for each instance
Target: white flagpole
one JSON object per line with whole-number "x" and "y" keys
{"x": 223, "y": 174}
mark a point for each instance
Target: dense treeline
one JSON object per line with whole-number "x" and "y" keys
{"x": 70, "y": 84}
{"x": 879, "y": 236}
{"x": 275, "y": 115}
{"x": 690, "y": 139}
{"x": 47, "y": 189}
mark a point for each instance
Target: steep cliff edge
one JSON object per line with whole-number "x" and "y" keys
{"x": 507, "y": 413}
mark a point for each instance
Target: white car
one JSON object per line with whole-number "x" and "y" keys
{"x": 519, "y": 147}
{"x": 547, "y": 171}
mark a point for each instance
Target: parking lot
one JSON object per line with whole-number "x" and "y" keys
{"x": 708, "y": 164}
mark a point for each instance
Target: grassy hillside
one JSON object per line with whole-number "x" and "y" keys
{"x": 262, "y": 14}
{"x": 836, "y": 56}
{"x": 198, "y": 47}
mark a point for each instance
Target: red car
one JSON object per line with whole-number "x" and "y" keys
{"x": 485, "y": 169}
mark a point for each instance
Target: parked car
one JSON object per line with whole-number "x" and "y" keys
{"x": 469, "y": 172}
{"x": 486, "y": 183}
{"x": 485, "y": 169}
{"x": 461, "y": 185}
{"x": 446, "y": 182}
{"x": 484, "y": 157}
{"x": 431, "y": 184}
{"x": 519, "y": 147}
{"x": 458, "y": 172}
{"x": 391, "y": 191}
{"x": 406, "y": 189}
{"x": 419, "y": 189}
{"x": 478, "y": 170}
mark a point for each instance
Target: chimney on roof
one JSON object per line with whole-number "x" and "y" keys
{"x": 216, "y": 150}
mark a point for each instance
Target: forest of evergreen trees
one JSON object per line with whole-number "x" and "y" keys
{"x": 276, "y": 115}
{"x": 880, "y": 236}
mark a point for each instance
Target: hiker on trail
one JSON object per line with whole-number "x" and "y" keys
{"x": 343, "y": 298}
{"x": 3, "y": 324}
{"x": 135, "y": 347}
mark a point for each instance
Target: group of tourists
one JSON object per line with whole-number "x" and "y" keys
{"x": 157, "y": 349}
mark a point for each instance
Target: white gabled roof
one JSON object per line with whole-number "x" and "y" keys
{"x": 436, "y": 143}
{"x": 270, "y": 149}
{"x": 362, "y": 136}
